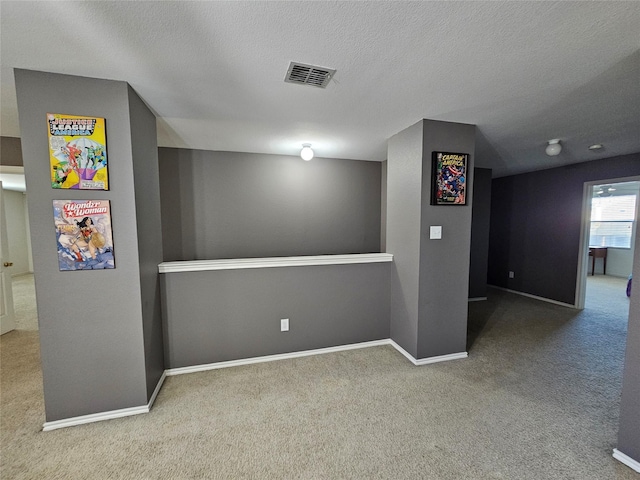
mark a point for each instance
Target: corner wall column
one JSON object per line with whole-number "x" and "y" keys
{"x": 430, "y": 279}
{"x": 100, "y": 330}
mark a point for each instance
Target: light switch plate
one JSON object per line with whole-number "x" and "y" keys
{"x": 435, "y": 232}
{"x": 284, "y": 324}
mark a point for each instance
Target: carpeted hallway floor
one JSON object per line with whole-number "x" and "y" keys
{"x": 538, "y": 398}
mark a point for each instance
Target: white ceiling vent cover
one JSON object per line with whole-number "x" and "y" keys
{"x": 303, "y": 74}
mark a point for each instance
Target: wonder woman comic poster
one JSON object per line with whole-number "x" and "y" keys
{"x": 77, "y": 152}
{"x": 83, "y": 234}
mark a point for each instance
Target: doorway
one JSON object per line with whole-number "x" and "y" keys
{"x": 17, "y": 262}
{"x": 609, "y": 221}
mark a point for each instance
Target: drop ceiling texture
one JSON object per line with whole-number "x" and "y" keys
{"x": 213, "y": 72}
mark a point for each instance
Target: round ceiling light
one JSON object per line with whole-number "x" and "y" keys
{"x": 306, "y": 153}
{"x": 553, "y": 148}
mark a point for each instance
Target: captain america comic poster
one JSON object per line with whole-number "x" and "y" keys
{"x": 84, "y": 237}
{"x": 449, "y": 178}
{"x": 77, "y": 152}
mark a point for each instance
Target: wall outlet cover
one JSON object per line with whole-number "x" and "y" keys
{"x": 435, "y": 232}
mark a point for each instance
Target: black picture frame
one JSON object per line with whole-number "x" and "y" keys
{"x": 449, "y": 178}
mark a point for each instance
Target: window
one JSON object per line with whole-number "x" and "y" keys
{"x": 612, "y": 221}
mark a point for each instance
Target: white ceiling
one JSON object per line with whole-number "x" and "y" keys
{"x": 213, "y": 72}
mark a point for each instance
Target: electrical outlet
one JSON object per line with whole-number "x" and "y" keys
{"x": 284, "y": 325}
{"x": 512, "y": 275}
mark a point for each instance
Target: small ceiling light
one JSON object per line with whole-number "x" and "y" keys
{"x": 595, "y": 146}
{"x": 553, "y": 148}
{"x": 306, "y": 153}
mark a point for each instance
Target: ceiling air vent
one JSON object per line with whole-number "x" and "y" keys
{"x": 308, "y": 75}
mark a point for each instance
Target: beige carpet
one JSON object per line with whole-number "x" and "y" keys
{"x": 537, "y": 398}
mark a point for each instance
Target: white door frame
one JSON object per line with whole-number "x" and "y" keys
{"x": 583, "y": 251}
{"x": 7, "y": 314}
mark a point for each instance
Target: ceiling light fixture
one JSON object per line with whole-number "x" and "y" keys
{"x": 306, "y": 153}
{"x": 595, "y": 146}
{"x": 553, "y": 147}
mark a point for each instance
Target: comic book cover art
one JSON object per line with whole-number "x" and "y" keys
{"x": 449, "y": 178}
{"x": 83, "y": 234}
{"x": 77, "y": 152}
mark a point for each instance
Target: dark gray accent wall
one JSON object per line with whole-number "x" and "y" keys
{"x": 10, "y": 151}
{"x": 480, "y": 223}
{"x": 147, "y": 195}
{"x": 91, "y": 328}
{"x": 535, "y": 226}
{"x": 629, "y": 431}
{"x": 444, "y": 264}
{"x": 430, "y": 278}
{"x": 240, "y": 205}
{"x": 215, "y": 316}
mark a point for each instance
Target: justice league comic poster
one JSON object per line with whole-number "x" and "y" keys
{"x": 83, "y": 234}
{"x": 77, "y": 152}
{"x": 449, "y": 178}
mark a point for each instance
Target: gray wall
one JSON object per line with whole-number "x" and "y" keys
{"x": 92, "y": 347}
{"x": 480, "y": 223}
{"x": 404, "y": 197}
{"x": 430, "y": 278}
{"x": 444, "y": 264}
{"x": 237, "y": 205}
{"x": 216, "y": 316}
{"x": 535, "y": 225}
{"x": 629, "y": 431}
{"x": 147, "y": 195}
{"x": 10, "y": 151}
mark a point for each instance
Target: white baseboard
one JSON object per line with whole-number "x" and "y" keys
{"x": 272, "y": 358}
{"x": 627, "y": 460}
{"x": 426, "y": 361}
{"x": 548, "y": 300}
{"x": 157, "y": 389}
{"x": 125, "y": 412}
{"x": 95, "y": 417}
{"x": 99, "y": 417}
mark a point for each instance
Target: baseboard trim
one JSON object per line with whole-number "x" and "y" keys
{"x": 126, "y": 412}
{"x": 428, "y": 360}
{"x": 99, "y": 417}
{"x": 273, "y": 358}
{"x": 157, "y": 389}
{"x": 626, "y": 459}
{"x": 548, "y": 300}
{"x": 477, "y": 299}
{"x": 94, "y": 417}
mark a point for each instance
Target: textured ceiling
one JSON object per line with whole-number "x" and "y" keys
{"x": 213, "y": 72}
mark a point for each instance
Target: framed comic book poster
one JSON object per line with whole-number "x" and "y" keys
{"x": 77, "y": 152}
{"x": 83, "y": 234}
{"x": 449, "y": 178}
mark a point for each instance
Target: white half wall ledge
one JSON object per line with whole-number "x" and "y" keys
{"x": 271, "y": 262}
{"x": 626, "y": 459}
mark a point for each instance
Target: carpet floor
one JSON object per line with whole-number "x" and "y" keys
{"x": 538, "y": 398}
